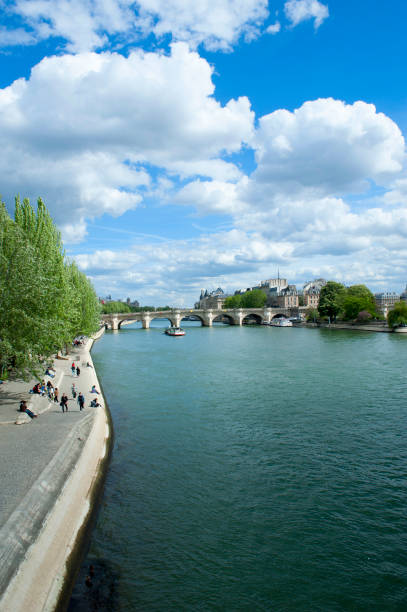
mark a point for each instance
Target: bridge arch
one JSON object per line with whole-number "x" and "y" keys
{"x": 128, "y": 319}
{"x": 280, "y": 315}
{"x": 162, "y": 317}
{"x": 252, "y": 316}
{"x": 196, "y": 317}
{"x": 223, "y": 317}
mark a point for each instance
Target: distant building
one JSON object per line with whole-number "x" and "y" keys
{"x": 285, "y": 298}
{"x": 214, "y": 299}
{"x": 133, "y": 303}
{"x": 385, "y": 301}
{"x": 105, "y": 300}
{"x": 276, "y": 284}
{"x": 311, "y": 292}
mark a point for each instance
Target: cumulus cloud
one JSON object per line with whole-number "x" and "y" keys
{"x": 297, "y": 11}
{"x": 87, "y": 24}
{"x": 308, "y": 162}
{"x": 327, "y": 146}
{"x": 274, "y": 28}
{"x": 83, "y": 130}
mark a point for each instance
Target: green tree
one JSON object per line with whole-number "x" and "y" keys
{"x": 45, "y": 300}
{"x": 358, "y": 298}
{"x": 254, "y": 299}
{"x": 115, "y": 307}
{"x": 331, "y": 300}
{"x": 398, "y": 315}
{"x": 312, "y": 314}
{"x": 22, "y": 326}
{"x": 233, "y": 301}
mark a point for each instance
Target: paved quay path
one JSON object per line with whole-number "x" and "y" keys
{"x": 25, "y": 450}
{"x": 38, "y": 461}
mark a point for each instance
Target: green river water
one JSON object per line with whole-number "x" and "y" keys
{"x": 253, "y": 468}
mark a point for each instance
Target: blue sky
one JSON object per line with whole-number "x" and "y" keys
{"x": 187, "y": 144}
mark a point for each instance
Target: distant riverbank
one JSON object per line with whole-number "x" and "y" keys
{"x": 372, "y": 327}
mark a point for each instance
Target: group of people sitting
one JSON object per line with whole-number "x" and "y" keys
{"x": 46, "y": 388}
{"x": 42, "y": 388}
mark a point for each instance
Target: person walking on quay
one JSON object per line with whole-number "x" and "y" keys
{"x": 64, "y": 402}
{"x": 73, "y": 391}
{"x": 56, "y": 394}
{"x": 78, "y": 371}
{"x": 50, "y": 389}
{"x": 81, "y": 400}
{"x": 73, "y": 368}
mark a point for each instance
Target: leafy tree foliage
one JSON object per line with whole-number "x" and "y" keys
{"x": 113, "y": 307}
{"x": 45, "y": 300}
{"x": 331, "y": 299}
{"x": 364, "y": 317}
{"x": 233, "y": 301}
{"x": 398, "y": 315}
{"x": 254, "y": 299}
{"x": 312, "y": 314}
{"x": 358, "y": 298}
{"x": 251, "y": 299}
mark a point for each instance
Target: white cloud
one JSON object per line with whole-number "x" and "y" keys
{"x": 327, "y": 146}
{"x": 178, "y": 269}
{"x": 309, "y": 161}
{"x": 87, "y": 24}
{"x": 83, "y": 131}
{"x": 297, "y": 11}
{"x": 274, "y": 28}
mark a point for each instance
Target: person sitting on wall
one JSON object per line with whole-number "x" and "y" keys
{"x": 24, "y": 408}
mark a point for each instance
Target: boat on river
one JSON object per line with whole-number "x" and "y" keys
{"x": 175, "y": 331}
{"x": 281, "y": 322}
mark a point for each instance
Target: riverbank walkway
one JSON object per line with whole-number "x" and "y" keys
{"x": 38, "y": 457}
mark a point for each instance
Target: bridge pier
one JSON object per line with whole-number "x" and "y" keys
{"x": 176, "y": 319}
{"x": 238, "y": 317}
{"x": 145, "y": 321}
{"x": 207, "y": 319}
{"x": 115, "y": 323}
{"x": 267, "y": 315}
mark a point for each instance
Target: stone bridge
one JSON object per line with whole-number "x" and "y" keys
{"x": 207, "y": 317}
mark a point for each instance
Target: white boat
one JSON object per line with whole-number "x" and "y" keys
{"x": 175, "y": 331}
{"x": 281, "y": 322}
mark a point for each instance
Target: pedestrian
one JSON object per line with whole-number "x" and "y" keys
{"x": 73, "y": 368}
{"x": 81, "y": 400}
{"x": 24, "y": 408}
{"x": 73, "y": 390}
{"x": 50, "y": 389}
{"x": 78, "y": 371}
{"x": 64, "y": 402}
{"x": 56, "y": 393}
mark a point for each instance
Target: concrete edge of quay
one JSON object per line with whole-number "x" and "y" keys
{"x": 43, "y": 541}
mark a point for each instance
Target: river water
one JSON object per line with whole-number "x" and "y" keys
{"x": 253, "y": 469}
